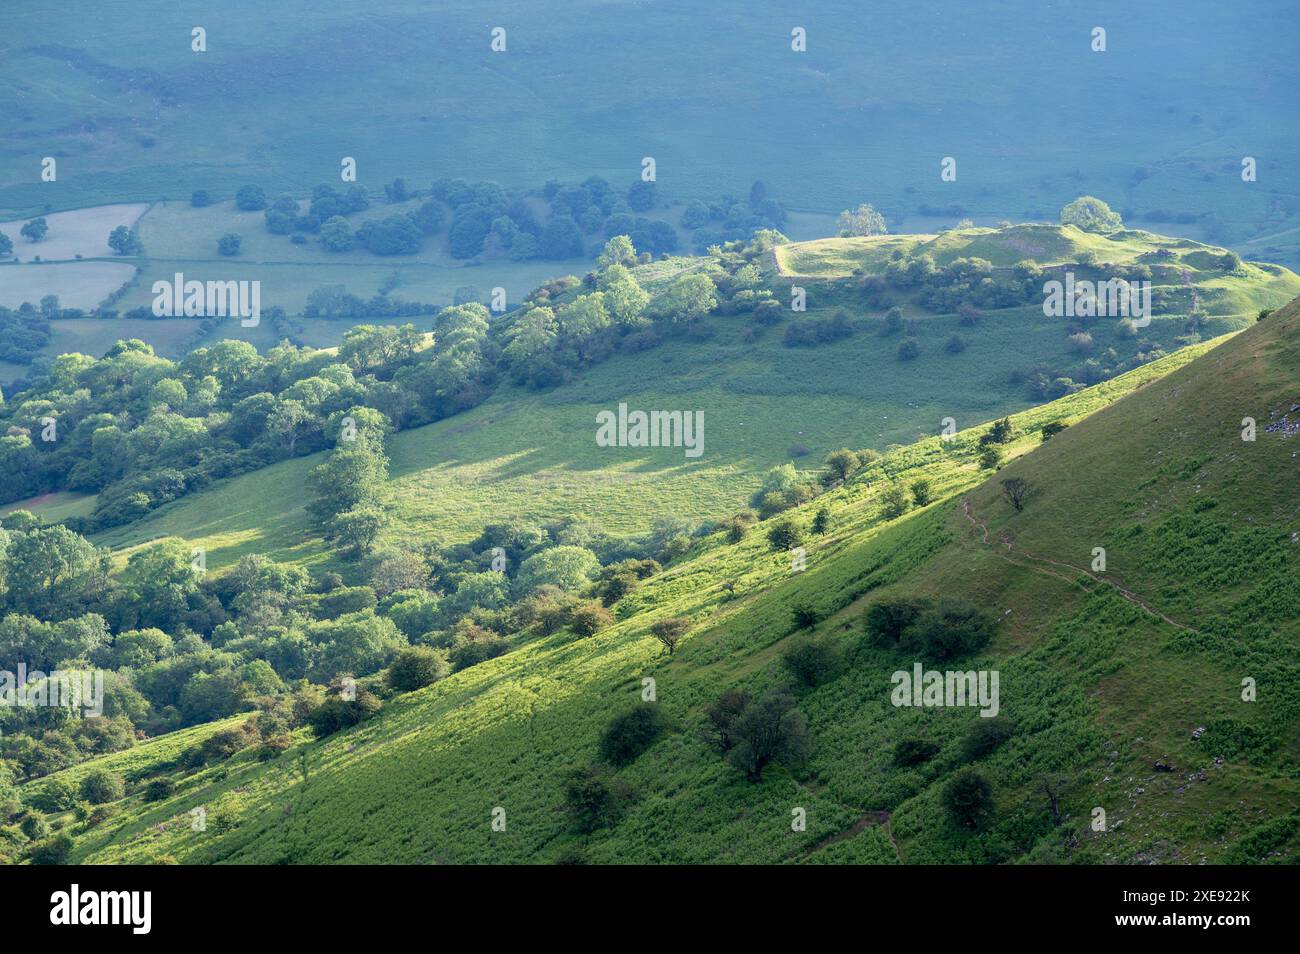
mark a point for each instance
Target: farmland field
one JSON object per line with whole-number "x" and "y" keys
{"x": 78, "y": 233}
{"x": 77, "y": 284}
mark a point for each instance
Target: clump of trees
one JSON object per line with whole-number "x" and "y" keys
{"x": 35, "y": 230}
{"x": 338, "y": 712}
{"x": 416, "y": 667}
{"x": 948, "y": 629}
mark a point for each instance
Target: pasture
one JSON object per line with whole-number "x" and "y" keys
{"x": 77, "y": 233}
{"x": 77, "y": 284}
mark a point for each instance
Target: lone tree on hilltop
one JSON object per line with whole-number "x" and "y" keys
{"x": 864, "y": 220}
{"x": 1091, "y": 214}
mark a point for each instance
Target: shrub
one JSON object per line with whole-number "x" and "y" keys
{"x": 52, "y": 852}
{"x": 893, "y": 501}
{"x": 985, "y": 737}
{"x": 472, "y": 649}
{"x": 594, "y": 797}
{"x": 34, "y": 827}
{"x": 811, "y": 662}
{"x": 100, "y": 815}
{"x": 1052, "y": 428}
{"x": 222, "y": 745}
{"x": 921, "y": 492}
{"x": 736, "y": 527}
{"x": 275, "y": 744}
{"x": 417, "y": 667}
{"x": 805, "y": 615}
{"x": 1081, "y": 342}
{"x": 158, "y": 790}
{"x": 909, "y": 349}
{"x": 102, "y": 786}
{"x": 785, "y": 535}
{"x": 990, "y": 458}
{"x": 229, "y": 244}
{"x": 821, "y": 521}
{"x": 952, "y": 629}
{"x": 250, "y": 198}
{"x": 337, "y": 713}
{"x": 968, "y": 798}
{"x": 56, "y": 796}
{"x": 912, "y": 752}
{"x": 589, "y": 618}
{"x": 631, "y": 733}
{"x": 955, "y": 344}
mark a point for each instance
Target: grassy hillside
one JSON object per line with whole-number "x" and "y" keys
{"x": 533, "y": 454}
{"x": 1102, "y": 673}
{"x": 1188, "y": 265}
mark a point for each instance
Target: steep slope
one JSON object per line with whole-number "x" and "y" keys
{"x": 1103, "y": 673}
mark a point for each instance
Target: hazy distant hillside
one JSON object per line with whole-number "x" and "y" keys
{"x": 716, "y": 95}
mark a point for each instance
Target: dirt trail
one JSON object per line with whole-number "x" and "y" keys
{"x": 1009, "y": 542}
{"x": 868, "y": 820}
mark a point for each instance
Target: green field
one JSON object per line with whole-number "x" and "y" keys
{"x": 55, "y": 507}
{"x": 79, "y": 233}
{"x": 77, "y": 284}
{"x": 1097, "y": 686}
{"x": 534, "y": 455}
